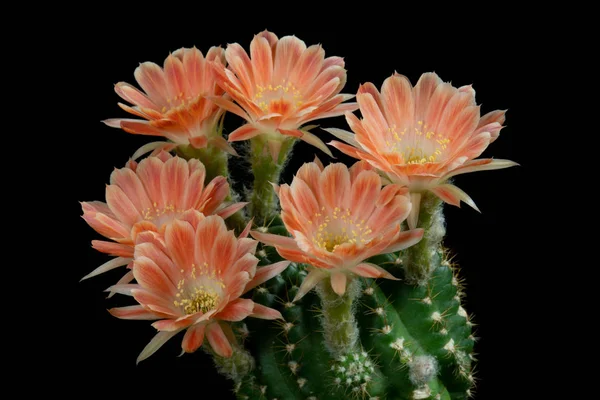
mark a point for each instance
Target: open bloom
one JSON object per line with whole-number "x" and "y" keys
{"x": 281, "y": 86}
{"x": 422, "y": 136}
{"x": 148, "y": 195}
{"x": 192, "y": 278}
{"x": 339, "y": 218}
{"x": 176, "y": 101}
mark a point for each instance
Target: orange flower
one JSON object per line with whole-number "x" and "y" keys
{"x": 422, "y": 136}
{"x": 148, "y": 196}
{"x": 280, "y": 87}
{"x": 192, "y": 278}
{"x": 339, "y": 218}
{"x": 176, "y": 101}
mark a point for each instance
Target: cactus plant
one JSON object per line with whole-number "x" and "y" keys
{"x": 326, "y": 327}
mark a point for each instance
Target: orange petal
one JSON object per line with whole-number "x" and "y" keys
{"x": 218, "y": 341}
{"x": 114, "y": 249}
{"x": 310, "y": 281}
{"x": 397, "y": 100}
{"x": 453, "y": 195}
{"x": 236, "y": 310}
{"x": 265, "y": 273}
{"x": 194, "y": 336}
{"x": 133, "y": 312}
{"x": 369, "y": 270}
{"x": 243, "y": 133}
{"x": 261, "y": 57}
{"x": 152, "y": 278}
{"x": 155, "y": 344}
{"x": 263, "y": 312}
{"x": 338, "y": 283}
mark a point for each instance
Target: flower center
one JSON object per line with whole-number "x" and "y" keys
{"x": 203, "y": 291}
{"x": 201, "y": 300}
{"x": 178, "y": 101}
{"x": 278, "y": 99}
{"x": 339, "y": 228}
{"x": 161, "y": 215}
{"x": 418, "y": 146}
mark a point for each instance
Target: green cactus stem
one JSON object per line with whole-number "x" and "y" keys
{"x": 263, "y": 201}
{"x": 337, "y": 317}
{"x": 419, "y": 260}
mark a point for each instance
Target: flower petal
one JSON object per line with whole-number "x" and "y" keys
{"x": 263, "y": 312}
{"x": 236, "y": 310}
{"x": 155, "y": 344}
{"x": 309, "y": 282}
{"x": 265, "y": 273}
{"x": 218, "y": 341}
{"x": 194, "y": 336}
{"x": 369, "y": 270}
{"x": 133, "y": 312}
{"x": 107, "y": 266}
{"x": 338, "y": 282}
{"x": 453, "y": 195}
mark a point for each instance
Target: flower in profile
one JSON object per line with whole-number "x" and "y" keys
{"x": 176, "y": 101}
{"x": 281, "y": 86}
{"x": 422, "y": 136}
{"x": 338, "y": 218}
{"x": 148, "y": 195}
{"x": 191, "y": 278}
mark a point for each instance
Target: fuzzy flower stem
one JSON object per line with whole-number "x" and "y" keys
{"x": 236, "y": 367}
{"x": 215, "y": 163}
{"x": 339, "y": 324}
{"x": 419, "y": 261}
{"x": 263, "y": 201}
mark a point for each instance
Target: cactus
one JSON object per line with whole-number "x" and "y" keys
{"x": 323, "y": 326}
{"x": 414, "y": 341}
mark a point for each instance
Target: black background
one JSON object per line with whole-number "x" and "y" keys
{"x": 490, "y": 247}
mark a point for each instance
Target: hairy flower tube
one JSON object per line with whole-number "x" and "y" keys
{"x": 176, "y": 103}
{"x": 279, "y": 87}
{"x": 146, "y": 197}
{"x": 191, "y": 278}
{"x": 338, "y": 218}
{"x": 422, "y": 136}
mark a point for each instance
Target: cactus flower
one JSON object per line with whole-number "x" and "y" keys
{"x": 281, "y": 86}
{"x": 191, "y": 278}
{"x": 148, "y": 195}
{"x": 176, "y": 101}
{"x": 338, "y": 218}
{"x": 422, "y": 136}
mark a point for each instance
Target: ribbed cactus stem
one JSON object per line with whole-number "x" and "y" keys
{"x": 263, "y": 201}
{"x": 236, "y": 367}
{"x": 419, "y": 261}
{"x": 337, "y": 312}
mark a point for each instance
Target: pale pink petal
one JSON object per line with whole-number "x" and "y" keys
{"x": 304, "y": 199}
{"x": 369, "y": 270}
{"x": 194, "y": 336}
{"x": 335, "y": 186}
{"x": 151, "y": 78}
{"x": 133, "y": 95}
{"x": 218, "y": 341}
{"x": 138, "y": 127}
{"x": 423, "y": 91}
{"x": 152, "y": 146}
{"x": 413, "y": 217}
{"x": 175, "y": 77}
{"x": 262, "y": 61}
{"x": 243, "y": 133}
{"x": 180, "y": 240}
{"x": 107, "y": 266}
{"x": 481, "y": 165}
{"x": 309, "y": 282}
{"x": 236, "y": 310}
{"x": 133, "y": 312}
{"x": 221, "y": 143}
{"x": 152, "y": 278}
{"x": 315, "y": 141}
{"x": 338, "y": 283}
{"x": 397, "y": 100}
{"x": 274, "y": 240}
{"x": 263, "y": 312}
{"x": 130, "y": 184}
{"x": 453, "y": 195}
{"x": 365, "y": 189}
{"x": 308, "y": 66}
{"x": 122, "y": 206}
{"x": 404, "y": 240}
{"x": 173, "y": 181}
{"x": 149, "y": 172}
{"x": 230, "y": 106}
{"x": 155, "y": 344}
{"x": 114, "y": 249}
{"x": 287, "y": 53}
{"x": 125, "y": 279}
{"x": 341, "y": 134}
{"x": 228, "y": 211}
{"x": 246, "y": 262}
{"x": 265, "y": 273}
